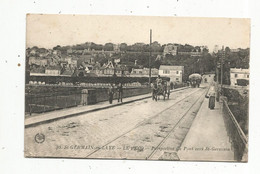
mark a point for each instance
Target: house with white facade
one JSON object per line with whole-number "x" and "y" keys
{"x": 53, "y": 71}
{"x": 170, "y": 49}
{"x": 238, "y": 73}
{"x": 175, "y": 73}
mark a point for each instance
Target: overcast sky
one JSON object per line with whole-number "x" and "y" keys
{"x": 50, "y": 30}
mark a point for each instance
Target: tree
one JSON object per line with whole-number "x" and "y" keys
{"x": 138, "y": 47}
{"x": 156, "y": 47}
{"x": 56, "y": 47}
{"x": 88, "y": 45}
{"x": 79, "y": 47}
{"x": 99, "y": 47}
{"x": 108, "y": 47}
{"x": 162, "y": 47}
{"x": 205, "y": 50}
{"x": 101, "y": 59}
{"x": 157, "y": 64}
{"x": 227, "y": 50}
{"x": 146, "y": 48}
{"x": 123, "y": 47}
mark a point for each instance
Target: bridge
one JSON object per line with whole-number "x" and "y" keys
{"x": 179, "y": 128}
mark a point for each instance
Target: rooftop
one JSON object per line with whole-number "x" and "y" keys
{"x": 169, "y": 67}
{"x": 53, "y": 68}
{"x": 239, "y": 70}
{"x": 67, "y": 72}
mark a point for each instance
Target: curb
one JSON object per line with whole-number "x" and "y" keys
{"x": 92, "y": 110}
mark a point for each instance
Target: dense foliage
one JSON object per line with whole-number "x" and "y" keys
{"x": 231, "y": 59}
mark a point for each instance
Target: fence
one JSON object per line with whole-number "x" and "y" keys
{"x": 90, "y": 80}
{"x": 236, "y": 135}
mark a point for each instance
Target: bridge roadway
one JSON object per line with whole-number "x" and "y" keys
{"x": 144, "y": 129}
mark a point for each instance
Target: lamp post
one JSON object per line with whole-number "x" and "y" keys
{"x": 150, "y": 57}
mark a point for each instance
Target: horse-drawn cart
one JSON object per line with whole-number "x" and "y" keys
{"x": 195, "y": 80}
{"x": 161, "y": 89}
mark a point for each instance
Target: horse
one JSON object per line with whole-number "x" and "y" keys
{"x": 160, "y": 89}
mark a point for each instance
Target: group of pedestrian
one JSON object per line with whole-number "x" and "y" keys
{"x": 112, "y": 90}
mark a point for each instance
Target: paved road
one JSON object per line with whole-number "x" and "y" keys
{"x": 141, "y": 130}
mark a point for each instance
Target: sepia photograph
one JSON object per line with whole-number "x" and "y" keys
{"x": 137, "y": 87}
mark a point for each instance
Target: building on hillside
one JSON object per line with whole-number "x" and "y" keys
{"x": 63, "y": 63}
{"x": 32, "y": 60}
{"x": 56, "y": 52}
{"x": 159, "y": 57}
{"x": 238, "y": 73}
{"x": 88, "y": 59}
{"x": 53, "y": 70}
{"x": 67, "y": 72}
{"x": 39, "y": 62}
{"x": 208, "y": 77}
{"x": 109, "y": 69}
{"x": 37, "y": 71}
{"x": 215, "y": 49}
{"x": 106, "y": 70}
{"x": 116, "y": 48}
{"x": 175, "y": 73}
{"x": 170, "y": 49}
{"x": 73, "y": 63}
{"x": 234, "y": 50}
{"x": 69, "y": 51}
{"x": 43, "y": 55}
{"x": 144, "y": 72}
{"x": 184, "y": 53}
{"x": 196, "y": 54}
{"x": 68, "y": 59}
{"x": 137, "y": 72}
{"x": 32, "y": 52}
{"x": 52, "y": 62}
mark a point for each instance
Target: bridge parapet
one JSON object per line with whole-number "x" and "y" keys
{"x": 236, "y": 135}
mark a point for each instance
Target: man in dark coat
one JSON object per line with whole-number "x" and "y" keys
{"x": 110, "y": 93}
{"x": 120, "y": 92}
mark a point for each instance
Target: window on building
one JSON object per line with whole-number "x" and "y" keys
{"x": 140, "y": 72}
{"x": 247, "y": 76}
{"x": 235, "y": 75}
{"x": 166, "y": 71}
{"x": 177, "y": 72}
{"x": 177, "y": 79}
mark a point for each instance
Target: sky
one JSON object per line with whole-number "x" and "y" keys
{"x": 51, "y": 30}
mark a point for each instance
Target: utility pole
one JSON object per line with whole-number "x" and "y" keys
{"x": 222, "y": 58}
{"x": 150, "y": 57}
{"x": 217, "y": 89}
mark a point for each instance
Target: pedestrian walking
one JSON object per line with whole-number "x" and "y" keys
{"x": 110, "y": 93}
{"x": 120, "y": 92}
{"x": 212, "y": 97}
{"x": 84, "y": 97}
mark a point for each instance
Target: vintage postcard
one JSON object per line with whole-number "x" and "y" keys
{"x": 136, "y": 87}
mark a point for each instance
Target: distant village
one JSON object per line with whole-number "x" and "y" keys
{"x": 98, "y": 61}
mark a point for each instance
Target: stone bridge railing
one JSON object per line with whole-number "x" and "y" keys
{"x": 39, "y": 103}
{"x": 236, "y": 135}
